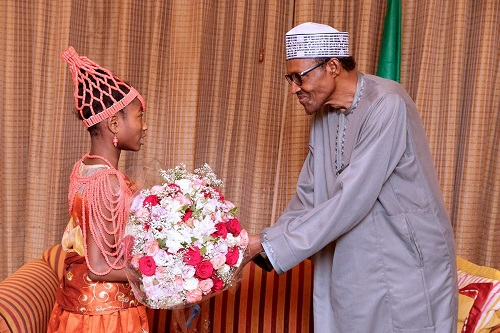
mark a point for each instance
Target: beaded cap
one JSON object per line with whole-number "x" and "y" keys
{"x": 97, "y": 83}
{"x": 314, "y": 40}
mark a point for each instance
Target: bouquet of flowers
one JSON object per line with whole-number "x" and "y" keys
{"x": 184, "y": 241}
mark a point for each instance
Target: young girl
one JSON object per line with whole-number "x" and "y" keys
{"x": 94, "y": 295}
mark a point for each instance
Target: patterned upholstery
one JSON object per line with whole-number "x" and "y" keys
{"x": 27, "y": 297}
{"x": 263, "y": 302}
{"x": 54, "y": 256}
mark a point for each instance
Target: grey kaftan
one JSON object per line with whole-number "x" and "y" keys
{"x": 378, "y": 233}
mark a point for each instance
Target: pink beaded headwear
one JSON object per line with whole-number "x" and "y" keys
{"x": 97, "y": 82}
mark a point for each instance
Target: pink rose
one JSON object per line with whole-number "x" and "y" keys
{"x": 206, "y": 286}
{"x": 147, "y": 265}
{"x": 233, "y": 226}
{"x": 218, "y": 261}
{"x": 220, "y": 231}
{"x": 218, "y": 284}
{"x": 232, "y": 256}
{"x": 194, "y": 296}
{"x": 244, "y": 238}
{"x": 156, "y": 189}
{"x": 152, "y": 247}
{"x": 204, "y": 270}
{"x": 161, "y": 270}
{"x": 178, "y": 283}
{"x": 135, "y": 261}
{"x": 229, "y": 204}
{"x": 182, "y": 200}
{"x": 192, "y": 256}
{"x": 151, "y": 200}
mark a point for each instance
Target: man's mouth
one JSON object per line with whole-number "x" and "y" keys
{"x": 301, "y": 97}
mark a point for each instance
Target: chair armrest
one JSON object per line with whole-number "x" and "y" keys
{"x": 55, "y": 256}
{"x": 27, "y": 297}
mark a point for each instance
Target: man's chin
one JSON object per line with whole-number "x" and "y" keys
{"x": 310, "y": 110}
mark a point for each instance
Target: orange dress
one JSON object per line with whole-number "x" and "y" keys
{"x": 84, "y": 305}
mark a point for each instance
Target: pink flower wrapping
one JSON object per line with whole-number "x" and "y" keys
{"x": 188, "y": 244}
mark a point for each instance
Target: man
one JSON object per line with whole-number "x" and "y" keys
{"x": 368, "y": 209}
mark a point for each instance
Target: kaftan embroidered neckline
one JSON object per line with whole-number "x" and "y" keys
{"x": 341, "y": 135}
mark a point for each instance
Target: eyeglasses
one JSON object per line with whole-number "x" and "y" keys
{"x": 297, "y": 77}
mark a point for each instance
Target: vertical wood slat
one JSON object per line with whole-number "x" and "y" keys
{"x": 264, "y": 302}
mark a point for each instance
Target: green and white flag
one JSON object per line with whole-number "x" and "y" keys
{"x": 390, "y": 53}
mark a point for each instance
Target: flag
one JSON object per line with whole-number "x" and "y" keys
{"x": 390, "y": 52}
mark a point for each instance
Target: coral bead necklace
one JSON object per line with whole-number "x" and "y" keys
{"x": 105, "y": 204}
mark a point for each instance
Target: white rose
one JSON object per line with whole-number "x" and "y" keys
{"x": 173, "y": 245}
{"x": 161, "y": 258}
{"x": 184, "y": 184}
{"x": 231, "y": 240}
{"x": 188, "y": 271}
{"x": 224, "y": 269}
{"x": 190, "y": 283}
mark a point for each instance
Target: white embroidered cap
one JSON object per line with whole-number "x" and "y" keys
{"x": 314, "y": 40}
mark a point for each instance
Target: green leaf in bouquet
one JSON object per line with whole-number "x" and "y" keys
{"x": 197, "y": 212}
{"x": 162, "y": 243}
{"x": 208, "y": 238}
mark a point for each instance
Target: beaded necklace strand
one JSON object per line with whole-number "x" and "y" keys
{"x": 100, "y": 193}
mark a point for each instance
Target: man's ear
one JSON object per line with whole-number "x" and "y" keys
{"x": 335, "y": 66}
